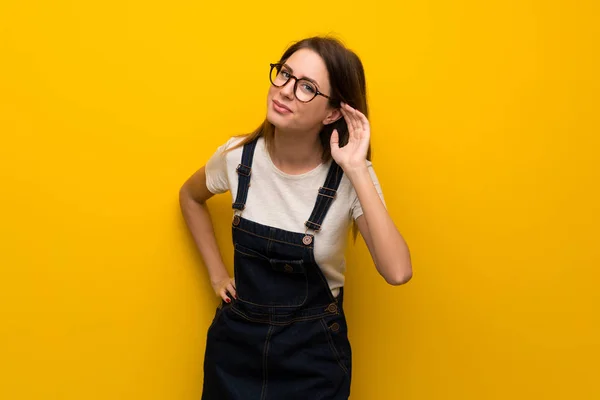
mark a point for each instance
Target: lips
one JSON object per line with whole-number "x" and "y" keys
{"x": 280, "y": 107}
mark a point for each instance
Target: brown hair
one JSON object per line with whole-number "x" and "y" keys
{"x": 348, "y": 85}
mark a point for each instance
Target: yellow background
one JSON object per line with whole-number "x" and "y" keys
{"x": 485, "y": 123}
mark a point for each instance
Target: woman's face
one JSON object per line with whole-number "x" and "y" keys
{"x": 286, "y": 112}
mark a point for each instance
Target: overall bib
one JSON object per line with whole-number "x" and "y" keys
{"x": 285, "y": 336}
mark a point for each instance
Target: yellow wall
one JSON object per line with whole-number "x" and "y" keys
{"x": 485, "y": 133}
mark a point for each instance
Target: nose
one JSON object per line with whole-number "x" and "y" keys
{"x": 287, "y": 90}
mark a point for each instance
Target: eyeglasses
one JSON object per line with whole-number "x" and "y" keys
{"x": 304, "y": 89}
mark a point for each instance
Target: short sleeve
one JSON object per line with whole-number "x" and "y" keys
{"x": 356, "y": 208}
{"x": 216, "y": 170}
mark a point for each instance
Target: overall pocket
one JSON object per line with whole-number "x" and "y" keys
{"x": 271, "y": 282}
{"x": 337, "y": 335}
{"x": 220, "y": 308}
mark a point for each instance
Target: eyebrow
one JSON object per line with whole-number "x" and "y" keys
{"x": 302, "y": 77}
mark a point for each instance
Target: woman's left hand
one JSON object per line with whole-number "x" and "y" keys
{"x": 354, "y": 154}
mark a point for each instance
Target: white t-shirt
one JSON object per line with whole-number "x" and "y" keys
{"x": 286, "y": 202}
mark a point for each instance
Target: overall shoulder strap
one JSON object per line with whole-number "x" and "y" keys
{"x": 244, "y": 170}
{"x": 325, "y": 197}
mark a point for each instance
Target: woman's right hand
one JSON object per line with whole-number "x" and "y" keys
{"x": 224, "y": 287}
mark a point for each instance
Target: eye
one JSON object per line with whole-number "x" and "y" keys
{"x": 285, "y": 74}
{"x": 309, "y": 88}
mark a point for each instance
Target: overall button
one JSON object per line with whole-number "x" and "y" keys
{"x": 307, "y": 240}
{"x": 236, "y": 220}
{"x": 335, "y": 327}
{"x": 332, "y": 308}
{"x": 288, "y": 268}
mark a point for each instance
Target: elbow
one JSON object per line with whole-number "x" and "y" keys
{"x": 401, "y": 275}
{"x": 183, "y": 195}
{"x": 184, "y": 190}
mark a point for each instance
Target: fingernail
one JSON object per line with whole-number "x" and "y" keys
{"x": 227, "y": 300}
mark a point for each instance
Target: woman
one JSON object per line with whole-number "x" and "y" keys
{"x": 298, "y": 182}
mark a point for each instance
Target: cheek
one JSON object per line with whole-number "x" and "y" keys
{"x": 313, "y": 112}
{"x": 270, "y": 93}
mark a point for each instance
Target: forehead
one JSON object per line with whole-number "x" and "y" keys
{"x": 307, "y": 63}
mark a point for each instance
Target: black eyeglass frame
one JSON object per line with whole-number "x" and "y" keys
{"x": 296, "y": 79}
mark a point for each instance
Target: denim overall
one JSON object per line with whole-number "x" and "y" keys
{"x": 285, "y": 336}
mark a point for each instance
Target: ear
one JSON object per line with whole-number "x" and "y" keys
{"x": 332, "y": 116}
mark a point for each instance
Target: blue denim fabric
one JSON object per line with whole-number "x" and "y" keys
{"x": 285, "y": 337}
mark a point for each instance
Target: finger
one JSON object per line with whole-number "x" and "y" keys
{"x": 232, "y": 290}
{"x": 343, "y": 110}
{"x": 360, "y": 116}
{"x": 334, "y": 143}
{"x": 348, "y": 119}
{"x": 353, "y": 118}
{"x": 363, "y": 121}
{"x": 233, "y": 283}
{"x": 224, "y": 296}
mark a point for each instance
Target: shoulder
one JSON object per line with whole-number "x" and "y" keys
{"x": 229, "y": 150}
{"x": 231, "y": 143}
{"x": 219, "y": 167}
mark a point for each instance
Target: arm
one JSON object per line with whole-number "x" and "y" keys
{"x": 192, "y": 200}
{"x": 387, "y": 247}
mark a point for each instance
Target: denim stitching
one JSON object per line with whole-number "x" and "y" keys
{"x": 264, "y": 366}
{"x": 243, "y": 179}
{"x": 321, "y": 307}
{"x": 336, "y": 353}
{"x": 323, "y": 201}
{"x": 275, "y": 240}
{"x": 316, "y": 211}
{"x": 279, "y": 323}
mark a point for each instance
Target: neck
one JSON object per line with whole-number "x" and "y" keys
{"x": 296, "y": 153}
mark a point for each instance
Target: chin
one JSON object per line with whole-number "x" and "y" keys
{"x": 277, "y": 120}
{"x": 270, "y": 117}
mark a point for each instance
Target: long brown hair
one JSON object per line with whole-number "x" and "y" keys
{"x": 348, "y": 85}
